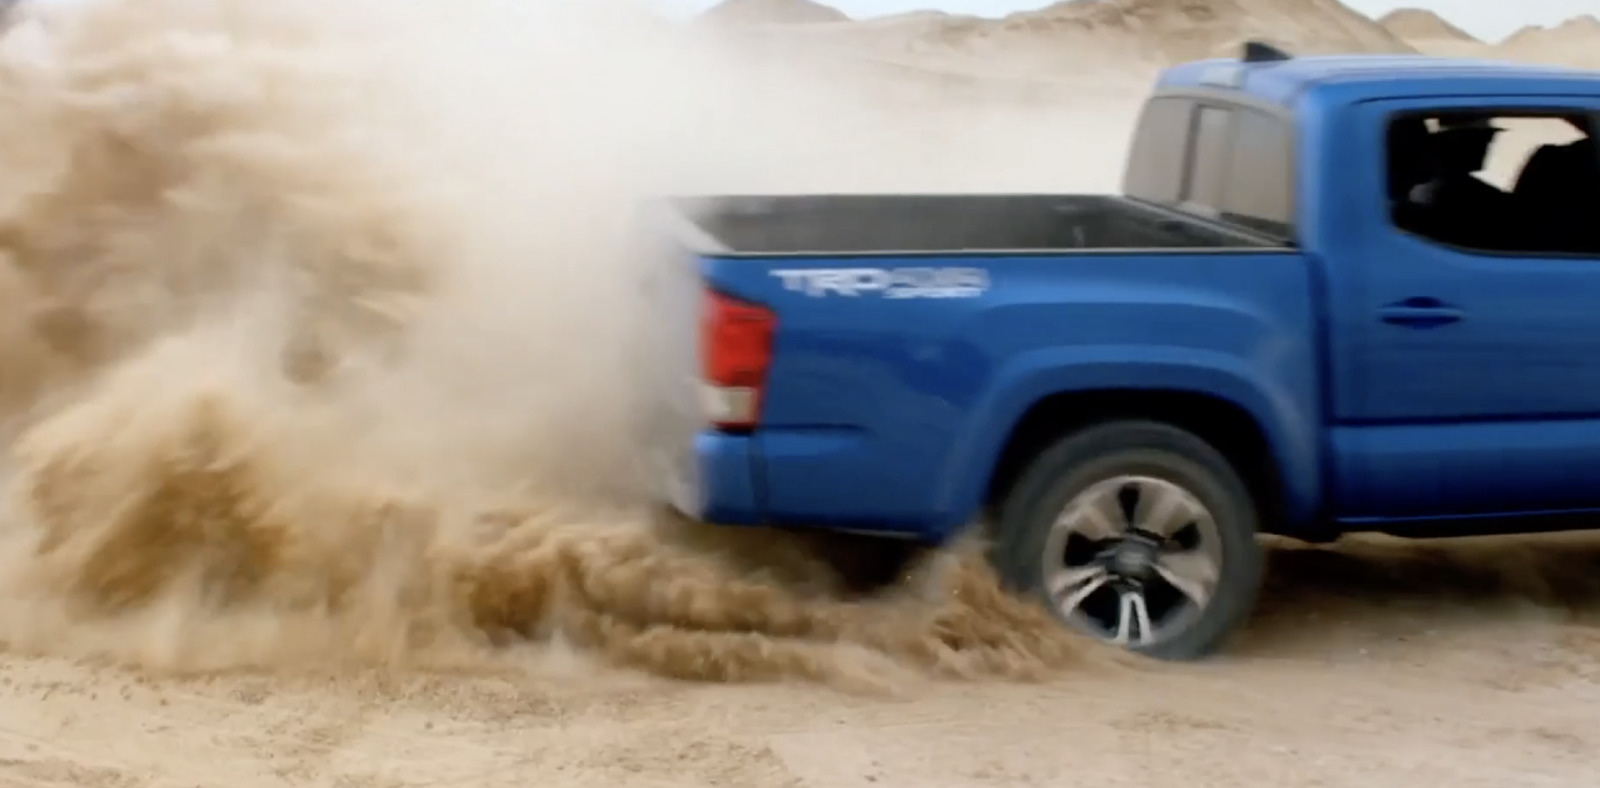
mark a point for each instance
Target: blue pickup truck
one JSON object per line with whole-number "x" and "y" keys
{"x": 1307, "y": 314}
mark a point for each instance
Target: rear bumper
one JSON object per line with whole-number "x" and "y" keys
{"x": 824, "y": 479}
{"x": 716, "y": 482}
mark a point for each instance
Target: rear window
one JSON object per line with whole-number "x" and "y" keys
{"x": 1217, "y": 160}
{"x": 1155, "y": 161}
{"x": 1209, "y": 154}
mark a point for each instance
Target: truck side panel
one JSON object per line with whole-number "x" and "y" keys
{"x": 888, "y": 414}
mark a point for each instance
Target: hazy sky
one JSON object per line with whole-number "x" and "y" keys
{"x": 1491, "y": 20}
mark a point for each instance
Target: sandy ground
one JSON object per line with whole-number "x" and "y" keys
{"x": 298, "y": 362}
{"x": 1379, "y": 664}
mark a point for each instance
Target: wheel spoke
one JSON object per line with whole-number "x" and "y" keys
{"x": 1192, "y": 572}
{"x": 1133, "y": 620}
{"x": 1144, "y": 527}
{"x": 1095, "y": 514}
{"x": 1068, "y": 587}
{"x": 1163, "y": 509}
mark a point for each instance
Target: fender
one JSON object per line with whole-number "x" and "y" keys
{"x": 1289, "y": 428}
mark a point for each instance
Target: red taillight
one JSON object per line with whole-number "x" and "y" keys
{"x": 735, "y": 351}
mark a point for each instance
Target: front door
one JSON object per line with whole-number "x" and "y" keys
{"x": 1467, "y": 352}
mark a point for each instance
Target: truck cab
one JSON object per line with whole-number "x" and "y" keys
{"x": 1459, "y": 346}
{"x": 1310, "y": 312}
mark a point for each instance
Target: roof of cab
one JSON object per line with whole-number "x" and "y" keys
{"x": 1281, "y": 82}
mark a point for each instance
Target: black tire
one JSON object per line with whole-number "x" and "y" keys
{"x": 1148, "y": 449}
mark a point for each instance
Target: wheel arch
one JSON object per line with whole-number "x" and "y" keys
{"x": 1252, "y": 420}
{"x": 1225, "y": 425}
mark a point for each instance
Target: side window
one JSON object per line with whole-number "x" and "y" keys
{"x": 1497, "y": 181}
{"x": 1155, "y": 160}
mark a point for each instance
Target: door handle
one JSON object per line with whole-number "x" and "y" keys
{"x": 1420, "y": 312}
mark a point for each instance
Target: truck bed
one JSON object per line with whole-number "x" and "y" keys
{"x": 883, "y": 224}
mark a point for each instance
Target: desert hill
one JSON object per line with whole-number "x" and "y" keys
{"x": 1175, "y": 30}
{"x": 1416, "y": 24}
{"x": 1062, "y": 38}
{"x": 1581, "y": 27}
{"x": 1574, "y": 42}
{"x": 1098, "y": 40}
{"x": 1430, "y": 34}
{"x": 773, "y": 12}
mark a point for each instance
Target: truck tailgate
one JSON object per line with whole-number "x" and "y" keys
{"x": 686, "y": 459}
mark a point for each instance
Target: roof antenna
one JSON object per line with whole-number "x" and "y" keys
{"x": 1262, "y": 52}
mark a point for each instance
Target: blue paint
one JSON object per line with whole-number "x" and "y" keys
{"x": 889, "y": 415}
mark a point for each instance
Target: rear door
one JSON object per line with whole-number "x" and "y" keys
{"x": 1467, "y": 379}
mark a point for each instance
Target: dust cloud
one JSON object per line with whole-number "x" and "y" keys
{"x": 323, "y": 341}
